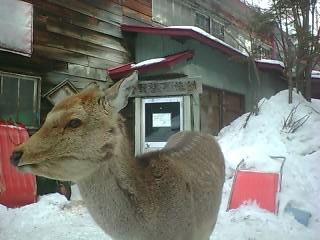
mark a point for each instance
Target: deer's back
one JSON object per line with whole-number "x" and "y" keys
{"x": 184, "y": 191}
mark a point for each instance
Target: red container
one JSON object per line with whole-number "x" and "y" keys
{"x": 16, "y": 189}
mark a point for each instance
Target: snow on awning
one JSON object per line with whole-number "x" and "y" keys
{"x": 16, "y": 27}
{"x": 270, "y": 64}
{"x": 148, "y": 65}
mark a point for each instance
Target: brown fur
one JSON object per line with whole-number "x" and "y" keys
{"x": 171, "y": 194}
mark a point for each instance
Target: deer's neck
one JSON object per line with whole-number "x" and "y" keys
{"x": 108, "y": 191}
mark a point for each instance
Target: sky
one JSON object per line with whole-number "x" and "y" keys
{"x": 261, "y": 3}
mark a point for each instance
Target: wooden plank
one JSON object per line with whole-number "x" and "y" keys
{"x": 54, "y": 78}
{"x": 109, "y": 6}
{"x": 89, "y": 10}
{"x": 137, "y": 16}
{"x": 138, "y": 6}
{"x": 210, "y": 110}
{"x": 71, "y": 57}
{"x": 69, "y": 30}
{"x": 45, "y": 10}
{"x": 34, "y": 63}
{"x": 146, "y": 2}
{"x": 60, "y": 54}
{"x": 183, "y": 86}
{"x": 78, "y": 46}
{"x": 85, "y": 72}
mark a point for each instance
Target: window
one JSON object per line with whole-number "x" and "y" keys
{"x": 172, "y": 12}
{"x": 203, "y": 22}
{"x": 19, "y": 98}
{"x": 264, "y": 52}
{"x": 217, "y": 29}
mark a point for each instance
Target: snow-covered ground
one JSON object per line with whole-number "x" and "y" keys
{"x": 53, "y": 217}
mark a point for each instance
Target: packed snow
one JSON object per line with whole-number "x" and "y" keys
{"x": 147, "y": 62}
{"x": 208, "y": 35}
{"x": 271, "y": 61}
{"x": 53, "y": 217}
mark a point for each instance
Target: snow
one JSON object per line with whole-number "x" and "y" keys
{"x": 315, "y": 74}
{"x": 271, "y": 61}
{"x": 147, "y": 62}
{"x": 207, "y": 35}
{"x": 53, "y": 217}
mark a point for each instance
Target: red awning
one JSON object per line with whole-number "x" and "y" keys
{"x": 148, "y": 65}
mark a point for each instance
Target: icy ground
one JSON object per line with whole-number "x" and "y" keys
{"x": 54, "y": 218}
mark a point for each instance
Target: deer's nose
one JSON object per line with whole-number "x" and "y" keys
{"x": 15, "y": 157}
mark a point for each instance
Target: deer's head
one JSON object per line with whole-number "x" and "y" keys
{"x": 78, "y": 135}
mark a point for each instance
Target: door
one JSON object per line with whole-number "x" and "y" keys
{"x": 157, "y": 118}
{"x": 219, "y": 108}
{"x": 161, "y": 118}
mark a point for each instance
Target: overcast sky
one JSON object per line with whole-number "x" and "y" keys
{"x": 261, "y": 3}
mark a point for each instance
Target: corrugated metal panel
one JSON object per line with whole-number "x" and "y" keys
{"x": 17, "y": 189}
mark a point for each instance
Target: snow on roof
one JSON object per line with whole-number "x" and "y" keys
{"x": 271, "y": 61}
{"x": 208, "y": 35}
{"x": 315, "y": 74}
{"x": 147, "y": 62}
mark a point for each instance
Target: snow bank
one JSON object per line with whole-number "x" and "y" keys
{"x": 53, "y": 217}
{"x": 262, "y": 138}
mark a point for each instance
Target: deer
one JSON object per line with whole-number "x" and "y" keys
{"x": 173, "y": 193}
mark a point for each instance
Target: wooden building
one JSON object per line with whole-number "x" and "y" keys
{"x": 74, "y": 42}
{"x": 200, "y": 81}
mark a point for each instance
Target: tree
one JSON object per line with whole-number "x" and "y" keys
{"x": 297, "y": 41}
{"x": 259, "y": 26}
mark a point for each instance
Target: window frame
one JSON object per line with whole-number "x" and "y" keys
{"x": 219, "y": 36}
{"x": 36, "y": 95}
{"x": 204, "y": 16}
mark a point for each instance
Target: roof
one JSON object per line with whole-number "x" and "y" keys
{"x": 202, "y": 36}
{"x": 270, "y": 64}
{"x": 186, "y": 31}
{"x": 150, "y": 64}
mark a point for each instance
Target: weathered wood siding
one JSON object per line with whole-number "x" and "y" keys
{"x": 137, "y": 11}
{"x": 218, "y": 108}
{"x": 75, "y": 40}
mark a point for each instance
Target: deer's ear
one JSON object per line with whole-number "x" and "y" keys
{"x": 117, "y": 95}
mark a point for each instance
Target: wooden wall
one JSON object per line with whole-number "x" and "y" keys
{"x": 137, "y": 12}
{"x": 72, "y": 39}
{"x": 76, "y": 40}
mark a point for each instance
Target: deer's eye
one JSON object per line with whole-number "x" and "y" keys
{"x": 74, "y": 123}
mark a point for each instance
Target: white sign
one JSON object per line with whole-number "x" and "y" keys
{"x": 16, "y": 18}
{"x": 161, "y": 120}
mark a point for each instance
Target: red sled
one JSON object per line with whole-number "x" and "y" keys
{"x": 255, "y": 186}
